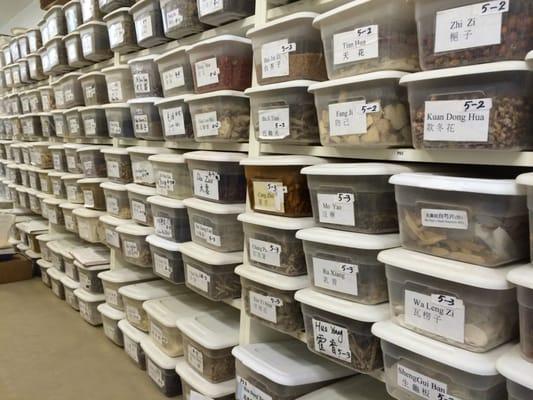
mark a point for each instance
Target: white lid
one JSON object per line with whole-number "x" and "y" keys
{"x": 144, "y": 100}
{"x": 74, "y": 75}
{"x": 214, "y": 208}
{"x": 350, "y": 240}
{"x": 166, "y": 310}
{"x": 87, "y": 213}
{"x": 91, "y": 108}
{"x": 56, "y": 146}
{"x": 173, "y": 52}
{"x": 116, "y": 105}
{"x": 504, "y": 187}
{"x": 276, "y": 222}
{"x": 166, "y": 202}
{"x": 92, "y": 256}
{"x": 73, "y": 177}
{"x": 525, "y": 179}
{"x": 279, "y": 86}
{"x": 214, "y": 330}
{"x": 90, "y": 74}
{"x": 112, "y": 313}
{"x": 52, "y": 201}
{"x": 54, "y": 236}
{"x": 154, "y": 353}
{"x": 344, "y": 308}
{"x": 70, "y": 283}
{"x": 522, "y": 276}
{"x": 140, "y": 189}
{"x": 515, "y": 368}
{"x": 356, "y": 169}
{"x": 114, "y": 221}
{"x": 358, "y": 387}
{"x": 93, "y": 180}
{"x": 57, "y": 174}
{"x": 126, "y": 275}
{"x": 55, "y": 274}
{"x": 167, "y": 158}
{"x": 130, "y": 331}
{"x": 91, "y": 23}
{"x": 45, "y": 264}
{"x": 217, "y": 156}
{"x": 73, "y": 146}
{"x": 218, "y": 93}
{"x": 115, "y": 150}
{"x": 500, "y": 66}
{"x": 72, "y": 110}
{"x": 167, "y": 100}
{"x": 279, "y": 21}
{"x": 267, "y": 278}
{"x": 70, "y": 206}
{"x": 92, "y": 148}
{"x": 164, "y": 244}
{"x": 149, "y": 150}
{"x": 89, "y": 297}
{"x": 449, "y": 270}
{"x": 483, "y": 364}
{"x": 114, "y": 13}
{"x": 208, "y": 256}
{"x": 151, "y": 290}
{"x": 122, "y": 67}
{"x": 135, "y": 230}
{"x": 201, "y": 385}
{"x": 282, "y": 160}
{"x": 221, "y": 38}
{"x": 90, "y": 268}
{"x": 369, "y": 77}
{"x": 113, "y": 186}
{"x": 288, "y": 363}
{"x": 149, "y": 57}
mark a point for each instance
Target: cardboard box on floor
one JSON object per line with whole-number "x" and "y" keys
{"x": 15, "y": 269}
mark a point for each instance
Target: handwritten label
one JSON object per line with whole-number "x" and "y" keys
{"x": 206, "y": 72}
{"x": 143, "y": 27}
{"x": 265, "y": 252}
{"x": 116, "y": 34}
{"x": 205, "y": 233}
{"x": 88, "y": 198}
{"x": 206, "y": 7}
{"x": 138, "y": 211}
{"x": 274, "y": 123}
{"x": 195, "y": 358}
{"x": 71, "y": 162}
{"x": 449, "y": 219}
{"x": 349, "y": 118}
{"x": 335, "y": 275}
{"x": 155, "y": 373}
{"x": 198, "y": 279}
{"x": 269, "y": 196}
{"x": 112, "y": 238}
{"x": 174, "y": 122}
{"x": 359, "y": 44}
{"x": 163, "y": 227}
{"x": 141, "y": 83}
{"x": 114, "y": 90}
{"x": 275, "y": 58}
{"x": 173, "y": 78}
{"x": 140, "y": 123}
{"x": 264, "y": 307}
{"x": 207, "y": 124}
{"x": 247, "y": 391}
{"x": 162, "y": 265}
{"x": 332, "y": 340}
{"x": 132, "y": 314}
{"x": 111, "y": 204}
{"x": 336, "y": 208}
{"x": 165, "y": 183}
{"x": 206, "y": 184}
{"x": 157, "y": 334}
{"x": 111, "y": 296}
{"x": 113, "y": 169}
{"x": 131, "y": 249}
{"x": 143, "y": 172}
{"x": 131, "y": 349}
{"x": 173, "y": 19}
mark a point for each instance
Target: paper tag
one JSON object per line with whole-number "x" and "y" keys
{"x": 421, "y": 385}
{"x": 195, "y": 358}
{"x": 72, "y": 193}
{"x": 198, "y": 279}
{"x": 114, "y": 91}
{"x": 206, "y": 7}
{"x": 70, "y": 298}
{"x": 457, "y": 120}
{"x": 112, "y": 238}
{"x": 337, "y": 276}
{"x": 138, "y": 211}
{"x": 265, "y": 307}
{"x": 206, "y": 72}
{"x": 69, "y": 95}
{"x": 143, "y": 27}
{"x": 336, "y": 208}
{"x": 141, "y": 82}
{"x": 71, "y": 162}
{"x": 116, "y": 34}
{"x": 113, "y": 170}
{"x": 449, "y": 219}
{"x": 206, "y": 233}
{"x": 349, "y": 118}
{"x": 174, "y": 122}
{"x": 74, "y": 126}
{"x": 359, "y": 44}
{"x": 130, "y": 249}
{"x": 87, "y": 44}
{"x": 131, "y": 348}
{"x": 157, "y": 334}
{"x": 163, "y": 227}
{"x": 143, "y": 171}
{"x": 111, "y": 204}
{"x": 174, "y": 18}
{"x": 275, "y": 58}
{"x": 207, "y": 124}
{"x": 90, "y": 91}
{"x": 155, "y": 373}
{"x": 56, "y": 160}
{"x": 197, "y": 396}
{"x": 274, "y": 123}
{"x": 162, "y": 265}
{"x": 109, "y": 330}
{"x": 247, "y": 391}
{"x": 111, "y": 296}
{"x": 90, "y": 126}
{"x": 165, "y": 183}
{"x": 88, "y": 198}
{"x": 439, "y": 314}
{"x": 206, "y": 183}
{"x": 140, "y": 123}
{"x": 173, "y": 78}
{"x": 265, "y": 252}
{"x": 83, "y": 229}
{"x": 332, "y": 340}
{"x": 132, "y": 313}
{"x": 114, "y": 128}
{"x": 269, "y": 196}
{"x": 53, "y": 58}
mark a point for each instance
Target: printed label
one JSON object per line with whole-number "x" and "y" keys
{"x": 207, "y": 124}
{"x": 439, "y": 314}
{"x": 90, "y": 126}
{"x": 162, "y": 265}
{"x": 449, "y": 219}
{"x": 265, "y": 252}
{"x": 113, "y": 170}
{"x": 336, "y": 208}
{"x": 165, "y": 183}
{"x": 158, "y": 334}
{"x": 112, "y": 238}
{"x": 206, "y": 183}
{"x": 138, "y": 211}
{"x": 111, "y": 296}
{"x": 332, "y": 340}
{"x": 155, "y": 373}
{"x": 88, "y": 198}
{"x": 198, "y": 279}
{"x": 206, "y": 7}
{"x": 114, "y": 127}
{"x": 269, "y": 196}
{"x": 206, "y": 72}
{"x": 337, "y": 276}
{"x": 132, "y": 313}
{"x": 69, "y": 95}
{"x": 116, "y": 34}
{"x": 130, "y": 249}
{"x": 274, "y": 123}
{"x": 143, "y": 28}
{"x": 247, "y": 391}
{"x": 74, "y": 125}
{"x": 265, "y": 307}
{"x": 195, "y": 358}
{"x": 457, "y": 120}
{"x": 422, "y": 385}
{"x": 174, "y": 18}
{"x": 173, "y": 78}
{"x": 87, "y": 44}
{"x": 111, "y": 204}
{"x": 131, "y": 348}
{"x": 141, "y": 82}
{"x": 115, "y": 91}
{"x": 163, "y": 227}
{"x": 140, "y": 123}
{"x": 349, "y": 118}
{"x": 206, "y": 233}
{"x": 275, "y": 58}
{"x": 360, "y": 44}
{"x": 174, "y": 122}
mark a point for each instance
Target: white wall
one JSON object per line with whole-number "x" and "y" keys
{"x": 27, "y": 17}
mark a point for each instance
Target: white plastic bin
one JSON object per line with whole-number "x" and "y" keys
{"x": 72, "y": 92}
{"x": 118, "y": 164}
{"x": 110, "y": 319}
{"x": 59, "y": 159}
{"x": 94, "y": 88}
{"x": 119, "y": 84}
{"x": 74, "y": 123}
{"x": 121, "y": 30}
{"x": 193, "y": 384}
{"x": 44, "y": 266}
{"x": 94, "y": 121}
{"x": 72, "y": 11}
{"x": 112, "y": 237}
{"x": 143, "y": 172}
{"x": 88, "y": 276}
{"x": 92, "y": 161}
{"x": 518, "y": 372}
{"x": 119, "y": 123}
{"x": 69, "y": 286}
{"x": 60, "y": 123}
{"x": 145, "y": 118}
{"x": 89, "y": 226}
{"x": 175, "y": 117}
{"x": 175, "y": 70}
{"x": 90, "y": 10}
{"x": 88, "y": 303}
{"x": 55, "y": 277}
{"x": 148, "y": 23}
{"x": 75, "y": 56}
{"x": 161, "y": 369}
{"x": 522, "y": 277}
{"x": 93, "y": 194}
{"x": 73, "y": 190}
{"x": 171, "y": 175}
{"x": 71, "y": 223}
{"x": 132, "y": 343}
{"x": 54, "y": 213}
{"x": 113, "y": 280}
{"x": 135, "y": 249}
{"x": 145, "y": 75}
{"x": 167, "y": 262}
{"x": 47, "y": 98}
{"x": 170, "y": 218}
{"x": 140, "y": 209}
{"x": 219, "y": 13}
{"x": 180, "y": 18}
{"x": 359, "y": 387}
{"x": 73, "y": 158}
{"x": 117, "y": 202}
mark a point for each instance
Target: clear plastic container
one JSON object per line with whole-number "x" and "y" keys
{"x": 271, "y": 243}
{"x": 57, "y": 56}
{"x": 110, "y": 320}
{"x": 58, "y": 185}
{"x": 24, "y": 46}
{"x": 44, "y": 266}
{"x": 215, "y": 226}
{"x": 34, "y": 40}
{"x": 175, "y": 70}
{"x": 461, "y": 108}
{"x": 44, "y": 181}
{"x": 145, "y": 75}
{"x": 58, "y": 95}
{"x": 75, "y": 55}
{"x": 478, "y": 221}
{"x": 518, "y": 372}
{"x": 148, "y": 23}
{"x": 341, "y": 330}
{"x": 171, "y": 175}
{"x": 145, "y": 118}
{"x": 94, "y": 121}
{"x": 25, "y": 102}
{"x": 57, "y": 248}
{"x": 89, "y": 279}
{"x": 221, "y": 63}
{"x": 180, "y": 18}
{"x": 71, "y": 223}
{"x": 90, "y": 10}
{"x": 14, "y": 49}
{"x": 55, "y": 21}
{"x": 523, "y": 279}
{"x": 93, "y": 161}
{"x": 31, "y": 126}
{"x": 169, "y": 218}
{"x": 73, "y": 188}
{"x": 24, "y": 71}
{"x": 276, "y": 186}
{"x": 41, "y": 155}
{"x": 95, "y": 41}
{"x": 288, "y": 48}
{"x": 33, "y": 177}
{"x": 13, "y": 173}
{"x": 141, "y": 211}
{"x": 217, "y": 176}
{"x": 114, "y": 279}
{"x": 7, "y": 54}
{"x": 132, "y": 343}
{"x": 73, "y": 17}
{"x": 94, "y": 88}
{"x": 47, "y": 125}
{"x": 119, "y": 84}
{"x": 89, "y": 226}
{"x": 193, "y": 384}
{"x": 23, "y": 198}
{"x": 166, "y": 259}
{"x": 118, "y": 164}
{"x": 71, "y": 271}
{"x": 93, "y": 194}
{"x": 282, "y": 370}
{"x": 35, "y": 205}
{"x": 119, "y": 124}
{"x": 35, "y": 67}
{"x": 161, "y": 369}
{"x": 142, "y": 169}
{"x": 59, "y": 160}
{"x": 112, "y": 238}
{"x": 462, "y": 309}
{"x": 135, "y": 249}
{"x": 108, "y": 6}
{"x": 413, "y": 362}
{"x": 54, "y": 213}
{"x": 368, "y": 110}
{"x": 73, "y": 158}
{"x": 116, "y": 200}
{"x": 88, "y": 303}
{"x": 55, "y": 277}
{"x": 121, "y": 30}
{"x": 45, "y": 239}
{"x": 72, "y": 91}
{"x": 527, "y": 181}
{"x": 47, "y": 98}
{"x": 175, "y": 119}
{"x": 218, "y": 13}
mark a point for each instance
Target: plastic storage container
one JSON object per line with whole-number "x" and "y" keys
{"x": 88, "y": 276}
{"x": 114, "y": 279}
{"x": 47, "y": 125}
{"x": 93, "y": 194}
{"x": 270, "y": 300}
{"x": 55, "y": 277}
{"x": 34, "y": 40}
{"x": 94, "y": 88}
{"x": 56, "y": 56}
{"x": 119, "y": 124}
{"x": 215, "y": 226}
{"x": 31, "y": 126}
{"x": 461, "y": 108}
{"x": 118, "y": 164}
{"x": 92, "y": 161}
{"x": 464, "y": 310}
{"x": 94, "y": 121}
{"x": 116, "y": 199}
{"x": 169, "y": 218}
{"x": 148, "y": 23}
{"x": 110, "y": 320}
{"x": 107, "y": 6}
{"x": 34, "y": 99}
{"x": 35, "y": 67}
{"x": 71, "y": 223}
{"x": 175, "y": 117}
{"x": 145, "y": 118}
{"x": 54, "y": 213}
{"x": 210, "y": 273}
{"x": 73, "y": 17}
{"x": 121, "y": 30}
{"x": 221, "y": 63}
{"x": 523, "y": 279}
{"x": 112, "y": 238}
{"x": 44, "y": 180}
{"x": 75, "y": 56}
{"x": 135, "y": 249}
{"x": 517, "y": 371}
{"x": 358, "y": 387}
{"x": 41, "y": 155}
{"x": 60, "y": 123}
{"x": 59, "y": 159}
{"x": 142, "y": 169}
{"x": 73, "y": 158}
{"x": 171, "y": 175}
{"x": 166, "y": 259}
{"x": 527, "y": 181}
{"x": 175, "y": 70}
{"x": 119, "y": 84}
{"x": 275, "y": 185}
{"x": 219, "y": 13}
{"x": 193, "y": 384}
{"x": 23, "y": 45}
{"x": 47, "y": 98}
{"x": 132, "y": 343}
{"x": 414, "y": 363}
{"x": 478, "y": 221}
{"x": 141, "y": 211}
{"x": 180, "y": 18}
{"x": 90, "y": 10}
{"x": 161, "y": 368}
{"x": 44, "y": 266}
{"x": 72, "y": 91}
{"x": 88, "y": 303}
{"x": 145, "y": 75}
{"x": 271, "y": 243}
{"x": 89, "y": 226}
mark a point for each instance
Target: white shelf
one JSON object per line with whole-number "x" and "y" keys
{"x": 241, "y": 147}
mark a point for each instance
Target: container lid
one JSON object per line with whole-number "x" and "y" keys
{"x": 93, "y": 180}
{"x": 52, "y": 10}
{"x": 358, "y": 387}
{"x": 483, "y": 364}
{"x": 135, "y": 230}
{"x": 116, "y": 68}
{"x": 208, "y": 256}
{"x": 167, "y": 158}
{"x": 113, "y": 186}
{"x": 164, "y": 244}
{"x": 525, "y": 179}
{"x": 90, "y": 256}
{"x": 165, "y": 202}
{"x": 71, "y": 3}
{"x": 522, "y": 276}
{"x": 288, "y": 363}
{"x": 372, "y": 76}
{"x": 500, "y": 66}
{"x": 151, "y": 290}
{"x": 70, "y": 206}
{"x": 450, "y": 270}
{"x": 55, "y": 273}
{"x": 87, "y": 213}
{"x": 214, "y": 330}
{"x": 504, "y": 187}
{"x": 144, "y": 100}
{"x": 45, "y": 264}
{"x": 279, "y": 86}
{"x": 127, "y": 275}
{"x": 130, "y": 331}
{"x": 515, "y": 368}
{"x": 74, "y": 75}
{"x": 185, "y": 304}
{"x": 149, "y": 57}
{"x": 216, "y": 156}
{"x": 115, "y": 150}
{"x": 356, "y": 169}
{"x": 282, "y": 160}
{"x": 91, "y": 148}
{"x": 221, "y": 38}
{"x": 89, "y": 297}
{"x": 218, "y": 93}
{"x": 56, "y": 174}
{"x": 214, "y": 208}
{"x": 167, "y": 100}
{"x": 172, "y": 53}
{"x": 276, "y": 222}
{"x": 155, "y": 354}
{"x": 91, "y": 268}
{"x": 72, "y": 177}
{"x": 267, "y": 278}
{"x": 57, "y": 147}
{"x": 114, "y": 221}
{"x": 149, "y": 150}
{"x": 54, "y": 236}
{"x": 91, "y": 108}
{"x": 140, "y": 189}
{"x": 344, "y": 308}
{"x": 71, "y": 35}
{"x": 52, "y": 201}
{"x": 201, "y": 385}
{"x": 275, "y": 24}
{"x": 112, "y": 106}
{"x": 350, "y": 240}
{"x": 115, "y": 13}
{"x": 91, "y": 23}
{"x": 112, "y": 313}
{"x": 74, "y": 146}
{"x": 70, "y": 283}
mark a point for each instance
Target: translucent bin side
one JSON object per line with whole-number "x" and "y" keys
{"x": 119, "y": 123}
{"x": 170, "y": 223}
{"x": 73, "y": 162}
{"x": 75, "y": 56}
{"x": 70, "y": 268}
{"x": 44, "y": 277}
{"x": 141, "y": 210}
{"x": 119, "y": 85}
{"x": 71, "y": 299}
{"x": 112, "y": 296}
{"x": 93, "y": 163}
{"x": 135, "y": 313}
{"x": 90, "y": 229}
{"x": 214, "y": 365}
{"x": 118, "y": 168}
{"x": 47, "y": 99}
{"x": 54, "y": 214}
{"x": 146, "y": 80}
{"x": 518, "y": 392}
{"x": 59, "y": 160}
{"x": 172, "y": 180}
{"x": 90, "y": 10}
{"x": 189, "y": 392}
{"x": 168, "y": 264}
{"x": 166, "y": 380}
{"x": 75, "y": 126}
{"x": 95, "y": 43}
{"x": 58, "y": 187}
{"x": 71, "y": 222}
{"x": 134, "y": 351}
{"x": 57, "y": 288}
{"x": 46, "y": 183}
{"x": 146, "y": 121}
{"x": 117, "y": 203}
{"x": 94, "y": 123}
{"x": 136, "y": 250}
{"x": 219, "y": 232}
{"x": 176, "y": 75}
{"x": 112, "y": 237}
{"x": 221, "y": 182}
{"x": 112, "y": 331}
{"x": 149, "y": 25}
{"x": 94, "y": 90}
{"x": 89, "y": 312}
{"x": 89, "y": 279}
{"x": 212, "y": 13}
{"x": 73, "y": 16}
{"x": 60, "y": 123}
{"x": 74, "y": 192}
{"x": 143, "y": 172}
{"x": 176, "y": 121}
{"x": 168, "y": 339}
{"x": 93, "y": 196}
{"x": 72, "y": 92}
{"x": 122, "y": 36}
{"x": 525, "y": 301}
{"x": 180, "y": 18}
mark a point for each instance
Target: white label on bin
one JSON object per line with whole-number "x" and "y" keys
{"x": 116, "y": 34}
{"x": 109, "y": 330}
{"x": 359, "y": 44}
{"x": 269, "y": 196}
{"x": 56, "y": 188}
{"x": 114, "y": 128}
{"x": 72, "y": 53}
{"x": 422, "y": 385}
{"x": 143, "y": 28}
{"x": 449, "y": 219}
{"x": 60, "y": 98}
{"x": 52, "y": 28}
{"x": 275, "y": 58}
{"x": 195, "y": 358}
{"x": 265, "y": 307}
{"x": 140, "y": 123}
{"x": 74, "y": 125}
{"x": 115, "y": 91}
{"x": 173, "y": 78}
{"x": 265, "y": 252}
{"x": 439, "y": 314}
{"x": 132, "y": 313}
{"x": 247, "y": 391}
{"x": 332, "y": 340}
{"x": 207, "y": 124}
{"x": 335, "y": 275}
{"x": 349, "y": 118}
{"x": 131, "y": 348}
{"x": 130, "y": 249}
{"x": 163, "y": 227}
{"x": 84, "y": 230}
{"x": 206, "y": 72}
{"x": 143, "y": 172}
{"x": 70, "y": 298}
{"x": 274, "y": 123}
{"x": 87, "y": 44}
{"x": 162, "y": 265}
{"x": 174, "y": 18}
{"x": 457, "y": 120}
{"x": 90, "y": 126}
{"x": 206, "y": 183}
{"x": 88, "y": 198}
{"x": 52, "y": 215}
{"x": 197, "y": 278}
{"x": 336, "y": 208}
{"x": 90, "y": 91}
{"x": 112, "y": 238}
{"x": 155, "y": 373}
{"x": 113, "y": 170}
{"x": 165, "y": 183}
{"x": 71, "y": 162}
{"x": 69, "y": 95}
{"x": 198, "y": 396}
{"x": 84, "y": 310}
{"x": 174, "y": 122}
{"x": 111, "y": 204}
{"x": 138, "y": 211}
{"x": 474, "y": 25}
{"x": 85, "y": 282}
{"x": 56, "y": 159}
{"x": 69, "y": 222}
{"x": 141, "y": 82}
{"x": 157, "y": 334}
{"x": 206, "y": 233}
{"x": 206, "y": 7}
{"x": 111, "y": 296}
{"x": 53, "y": 58}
